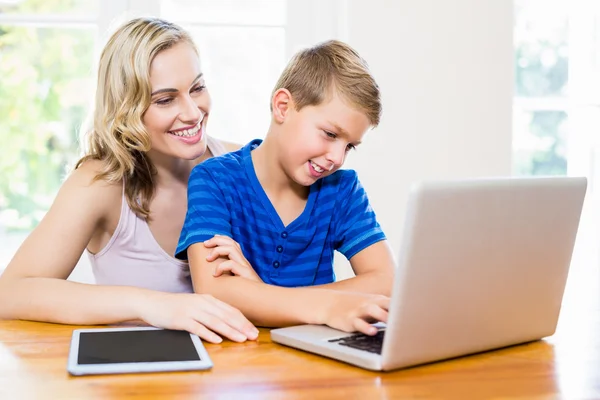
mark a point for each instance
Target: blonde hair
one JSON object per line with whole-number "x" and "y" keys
{"x": 117, "y": 135}
{"x": 313, "y": 75}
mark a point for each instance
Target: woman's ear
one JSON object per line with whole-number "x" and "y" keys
{"x": 281, "y": 102}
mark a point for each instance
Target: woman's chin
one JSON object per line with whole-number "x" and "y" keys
{"x": 194, "y": 156}
{"x": 194, "y": 152}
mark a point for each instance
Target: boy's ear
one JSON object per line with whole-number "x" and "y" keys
{"x": 282, "y": 102}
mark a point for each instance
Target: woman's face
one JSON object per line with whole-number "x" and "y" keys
{"x": 178, "y": 112}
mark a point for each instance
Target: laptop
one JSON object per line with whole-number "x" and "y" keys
{"x": 483, "y": 265}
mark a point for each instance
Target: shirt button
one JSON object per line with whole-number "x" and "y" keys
{"x": 284, "y": 234}
{"x": 279, "y": 249}
{"x": 276, "y": 264}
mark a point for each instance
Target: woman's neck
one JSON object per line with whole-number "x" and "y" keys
{"x": 171, "y": 170}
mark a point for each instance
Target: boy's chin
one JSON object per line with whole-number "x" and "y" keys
{"x": 303, "y": 179}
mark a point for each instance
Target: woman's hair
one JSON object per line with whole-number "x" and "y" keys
{"x": 116, "y": 134}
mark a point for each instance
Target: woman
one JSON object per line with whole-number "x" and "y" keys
{"x": 125, "y": 202}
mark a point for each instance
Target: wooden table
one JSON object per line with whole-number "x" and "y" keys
{"x": 33, "y": 360}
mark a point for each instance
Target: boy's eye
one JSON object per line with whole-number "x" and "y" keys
{"x": 198, "y": 88}
{"x": 350, "y": 147}
{"x": 330, "y": 135}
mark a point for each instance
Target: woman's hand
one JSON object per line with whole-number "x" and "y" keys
{"x": 200, "y": 314}
{"x": 224, "y": 246}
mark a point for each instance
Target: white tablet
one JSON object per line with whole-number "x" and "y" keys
{"x": 135, "y": 349}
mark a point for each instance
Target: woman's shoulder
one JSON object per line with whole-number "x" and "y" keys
{"x": 230, "y": 146}
{"x": 85, "y": 182}
{"x": 84, "y": 198}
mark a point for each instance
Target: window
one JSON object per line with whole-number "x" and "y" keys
{"x": 45, "y": 63}
{"x": 557, "y": 89}
{"x": 541, "y": 76}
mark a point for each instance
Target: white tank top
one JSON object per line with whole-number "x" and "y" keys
{"x": 132, "y": 257}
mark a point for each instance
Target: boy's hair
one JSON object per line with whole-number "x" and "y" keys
{"x": 315, "y": 74}
{"x": 115, "y": 133}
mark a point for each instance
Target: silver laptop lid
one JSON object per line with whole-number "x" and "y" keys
{"x": 483, "y": 264}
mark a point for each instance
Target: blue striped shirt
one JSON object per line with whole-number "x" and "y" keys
{"x": 226, "y": 198}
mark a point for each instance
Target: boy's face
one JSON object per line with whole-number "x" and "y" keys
{"x": 316, "y": 139}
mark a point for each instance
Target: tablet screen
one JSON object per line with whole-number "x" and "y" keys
{"x": 135, "y": 346}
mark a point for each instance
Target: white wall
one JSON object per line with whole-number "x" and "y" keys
{"x": 445, "y": 71}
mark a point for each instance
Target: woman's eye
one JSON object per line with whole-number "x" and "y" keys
{"x": 198, "y": 88}
{"x": 164, "y": 102}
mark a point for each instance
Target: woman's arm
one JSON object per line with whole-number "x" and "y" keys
{"x": 34, "y": 285}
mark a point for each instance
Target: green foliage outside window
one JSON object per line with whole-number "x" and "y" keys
{"x": 44, "y": 96}
{"x": 541, "y": 71}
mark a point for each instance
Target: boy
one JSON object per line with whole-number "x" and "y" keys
{"x": 289, "y": 207}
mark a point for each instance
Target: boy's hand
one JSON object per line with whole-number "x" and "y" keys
{"x": 355, "y": 312}
{"x": 224, "y": 246}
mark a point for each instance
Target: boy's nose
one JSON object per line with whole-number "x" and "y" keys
{"x": 336, "y": 156}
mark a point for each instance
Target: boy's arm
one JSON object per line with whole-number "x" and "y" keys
{"x": 374, "y": 269}
{"x": 259, "y": 302}
{"x": 358, "y": 236}
{"x": 273, "y": 306}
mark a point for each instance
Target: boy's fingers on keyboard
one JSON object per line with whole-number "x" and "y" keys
{"x": 383, "y": 302}
{"x": 360, "y": 325}
{"x": 377, "y": 313}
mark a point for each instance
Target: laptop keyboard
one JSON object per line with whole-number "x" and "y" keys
{"x": 372, "y": 344}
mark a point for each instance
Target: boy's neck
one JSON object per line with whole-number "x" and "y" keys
{"x": 269, "y": 172}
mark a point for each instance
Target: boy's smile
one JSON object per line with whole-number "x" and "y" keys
{"x": 318, "y": 138}
{"x": 316, "y": 170}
